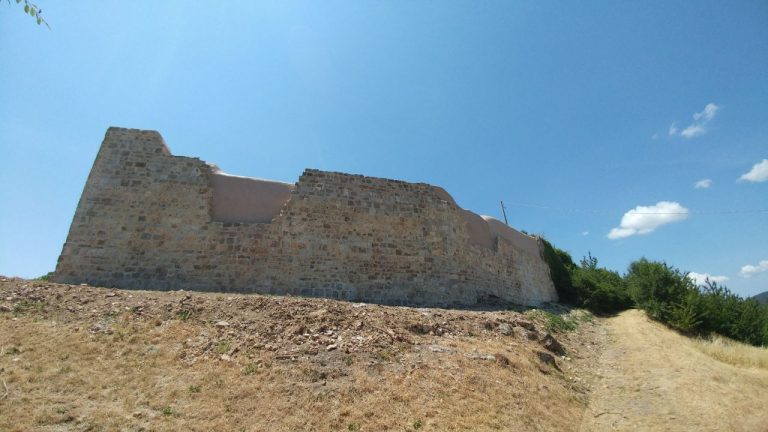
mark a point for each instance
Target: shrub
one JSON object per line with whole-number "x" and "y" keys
{"x": 657, "y": 287}
{"x": 598, "y": 289}
{"x": 560, "y": 266}
{"x": 46, "y": 277}
{"x": 556, "y": 323}
{"x": 686, "y": 316}
{"x": 663, "y": 291}
{"x": 668, "y": 295}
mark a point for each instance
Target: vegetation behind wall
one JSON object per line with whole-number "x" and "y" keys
{"x": 666, "y": 293}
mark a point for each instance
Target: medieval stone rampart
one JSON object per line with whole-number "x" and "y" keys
{"x": 148, "y": 219}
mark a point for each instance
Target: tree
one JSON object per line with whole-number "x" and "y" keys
{"x": 658, "y": 287}
{"x": 599, "y": 289}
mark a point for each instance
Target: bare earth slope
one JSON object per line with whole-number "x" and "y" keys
{"x": 79, "y": 358}
{"x": 651, "y": 379}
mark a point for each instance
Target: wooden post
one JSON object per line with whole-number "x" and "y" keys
{"x": 504, "y": 212}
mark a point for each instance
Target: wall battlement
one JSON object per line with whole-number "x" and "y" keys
{"x": 151, "y": 220}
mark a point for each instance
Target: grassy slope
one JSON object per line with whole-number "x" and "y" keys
{"x": 650, "y": 378}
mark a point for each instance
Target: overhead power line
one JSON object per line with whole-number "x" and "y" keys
{"x": 597, "y": 211}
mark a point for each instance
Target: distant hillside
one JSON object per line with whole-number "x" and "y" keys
{"x": 762, "y": 297}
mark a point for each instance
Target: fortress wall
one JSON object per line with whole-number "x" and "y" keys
{"x": 355, "y": 237}
{"x": 148, "y": 219}
{"x": 139, "y": 203}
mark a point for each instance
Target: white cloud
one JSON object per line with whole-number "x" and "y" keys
{"x": 703, "y": 184}
{"x": 693, "y": 130}
{"x": 758, "y": 173}
{"x": 673, "y": 129}
{"x": 655, "y": 136}
{"x": 750, "y": 270}
{"x": 585, "y": 233}
{"x": 708, "y": 114}
{"x": 699, "y": 125}
{"x": 701, "y": 278}
{"x": 645, "y": 219}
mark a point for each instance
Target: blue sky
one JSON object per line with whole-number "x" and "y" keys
{"x": 573, "y": 113}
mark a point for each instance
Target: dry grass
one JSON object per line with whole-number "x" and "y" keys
{"x": 650, "y": 378}
{"x": 104, "y": 370}
{"x": 78, "y": 358}
{"x": 733, "y": 352}
{"x": 61, "y": 377}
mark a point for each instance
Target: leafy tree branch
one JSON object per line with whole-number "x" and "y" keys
{"x": 33, "y": 11}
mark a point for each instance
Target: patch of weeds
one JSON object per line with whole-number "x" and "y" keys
{"x": 65, "y": 370}
{"x": 46, "y": 277}
{"x": 555, "y": 323}
{"x": 348, "y": 360}
{"x": 417, "y": 425}
{"x": 119, "y": 335}
{"x": 387, "y": 355}
{"x": 26, "y": 305}
{"x": 249, "y": 369}
{"x": 353, "y": 427}
{"x": 168, "y": 411}
{"x": 109, "y": 317}
{"x": 222, "y": 347}
{"x": 184, "y": 315}
{"x": 194, "y": 389}
{"x": 320, "y": 397}
{"x": 313, "y": 375}
{"x": 471, "y": 334}
{"x": 12, "y": 350}
{"x": 585, "y": 316}
{"x": 61, "y": 410}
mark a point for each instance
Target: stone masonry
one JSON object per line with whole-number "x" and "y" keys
{"x": 151, "y": 220}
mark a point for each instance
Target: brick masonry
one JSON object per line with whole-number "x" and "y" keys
{"x": 144, "y": 221}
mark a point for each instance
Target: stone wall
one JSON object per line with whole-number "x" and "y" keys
{"x": 146, "y": 219}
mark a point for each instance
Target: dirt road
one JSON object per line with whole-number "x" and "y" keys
{"x": 651, "y": 379}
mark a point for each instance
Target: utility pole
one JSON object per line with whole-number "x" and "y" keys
{"x": 504, "y": 212}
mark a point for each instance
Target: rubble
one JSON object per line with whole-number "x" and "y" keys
{"x": 240, "y": 328}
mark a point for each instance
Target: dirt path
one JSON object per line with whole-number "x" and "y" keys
{"x": 651, "y": 379}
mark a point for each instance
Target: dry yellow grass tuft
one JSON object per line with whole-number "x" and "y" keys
{"x": 733, "y": 352}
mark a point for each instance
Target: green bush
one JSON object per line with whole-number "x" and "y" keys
{"x": 560, "y": 266}
{"x": 46, "y": 277}
{"x": 663, "y": 291}
{"x": 729, "y": 315}
{"x": 600, "y": 290}
{"x": 669, "y": 296}
{"x": 657, "y": 287}
{"x": 686, "y": 316}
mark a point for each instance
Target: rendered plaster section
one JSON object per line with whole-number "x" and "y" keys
{"x": 244, "y": 199}
{"x": 147, "y": 219}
